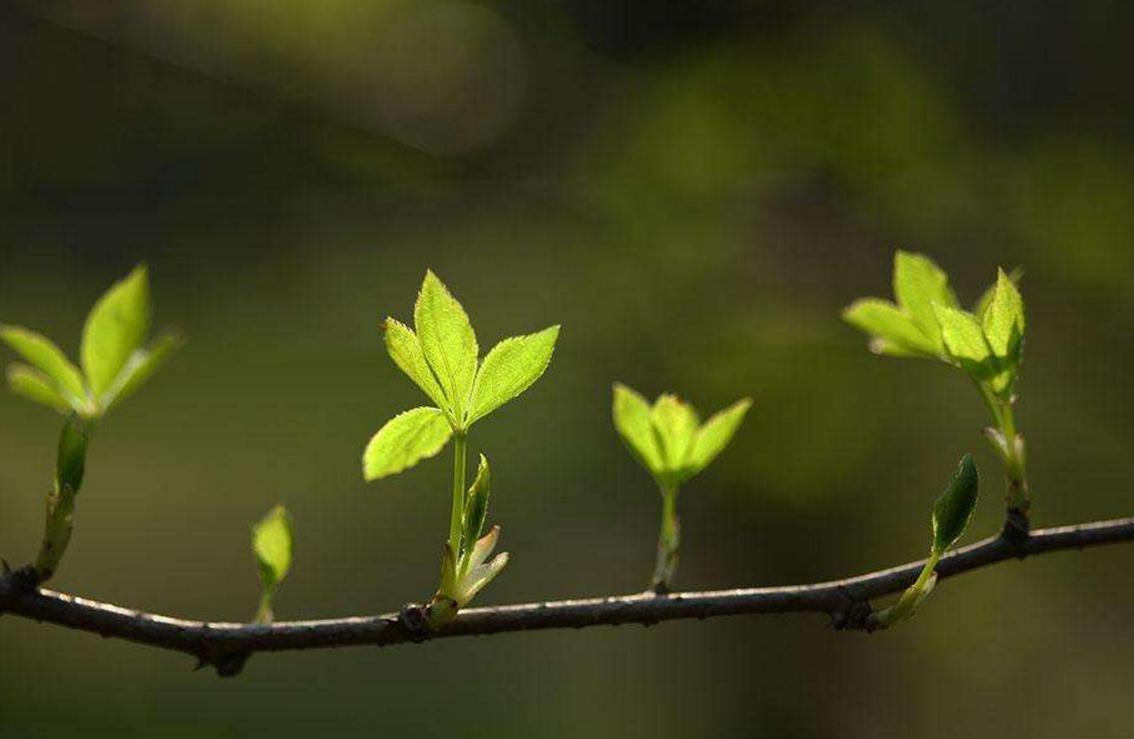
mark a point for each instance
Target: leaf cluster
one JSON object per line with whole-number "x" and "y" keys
{"x": 668, "y": 438}
{"x": 440, "y": 355}
{"x": 928, "y": 321}
{"x": 115, "y": 358}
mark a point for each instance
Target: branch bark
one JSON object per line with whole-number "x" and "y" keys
{"x": 227, "y": 646}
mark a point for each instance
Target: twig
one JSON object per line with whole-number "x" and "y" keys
{"x": 226, "y": 646}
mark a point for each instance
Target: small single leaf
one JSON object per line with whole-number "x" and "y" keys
{"x": 965, "y": 342}
{"x": 716, "y": 434}
{"x": 42, "y": 353}
{"x": 675, "y": 425}
{"x": 476, "y": 506}
{"x": 406, "y": 439}
{"x": 631, "y": 414}
{"x": 479, "y": 576}
{"x": 509, "y": 369}
{"x": 272, "y": 544}
{"x": 896, "y": 330}
{"x": 141, "y": 367}
{"x": 405, "y": 349}
{"x": 981, "y": 306}
{"x": 33, "y": 385}
{"x": 484, "y": 547}
{"x": 447, "y": 340}
{"x": 954, "y": 508}
{"x": 1004, "y": 320}
{"x": 918, "y": 284}
{"x": 115, "y": 329}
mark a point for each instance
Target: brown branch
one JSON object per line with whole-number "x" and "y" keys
{"x": 226, "y": 646}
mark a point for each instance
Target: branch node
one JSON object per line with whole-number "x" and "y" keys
{"x": 415, "y": 621}
{"x": 856, "y": 616}
{"x": 1017, "y": 527}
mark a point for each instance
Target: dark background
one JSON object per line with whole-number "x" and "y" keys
{"x": 694, "y": 190}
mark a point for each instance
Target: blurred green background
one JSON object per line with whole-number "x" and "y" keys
{"x": 693, "y": 188}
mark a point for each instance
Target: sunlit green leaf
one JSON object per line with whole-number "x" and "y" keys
{"x": 141, "y": 367}
{"x": 272, "y": 545}
{"x": 897, "y": 330}
{"x": 43, "y": 354}
{"x": 631, "y": 415}
{"x": 982, "y": 304}
{"x": 918, "y": 284}
{"x": 405, "y": 349}
{"x": 1004, "y": 319}
{"x": 965, "y": 342}
{"x": 115, "y": 329}
{"x": 33, "y": 385}
{"x": 954, "y": 508}
{"x": 406, "y": 439}
{"x": 675, "y": 424}
{"x": 510, "y": 368}
{"x": 447, "y": 340}
{"x": 716, "y": 433}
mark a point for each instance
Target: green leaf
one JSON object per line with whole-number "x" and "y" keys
{"x": 896, "y": 330}
{"x": 716, "y": 434}
{"x": 272, "y": 544}
{"x": 631, "y": 415}
{"x": 447, "y": 340}
{"x": 965, "y": 343}
{"x": 952, "y": 511}
{"x": 675, "y": 424}
{"x": 141, "y": 367}
{"x": 510, "y": 368}
{"x": 1004, "y": 320}
{"x": 918, "y": 284}
{"x": 43, "y": 354}
{"x": 406, "y": 439}
{"x": 979, "y": 308}
{"x": 115, "y": 329}
{"x": 476, "y": 506}
{"x": 405, "y": 349}
{"x": 33, "y": 385}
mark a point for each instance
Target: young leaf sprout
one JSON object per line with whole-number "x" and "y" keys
{"x": 987, "y": 344}
{"x": 115, "y": 360}
{"x": 440, "y": 354}
{"x": 669, "y": 440}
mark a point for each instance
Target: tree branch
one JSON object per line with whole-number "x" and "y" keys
{"x": 226, "y": 646}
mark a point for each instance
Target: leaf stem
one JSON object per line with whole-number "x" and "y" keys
{"x": 69, "y": 469}
{"x": 457, "y": 516}
{"x": 1011, "y": 452}
{"x": 669, "y": 540}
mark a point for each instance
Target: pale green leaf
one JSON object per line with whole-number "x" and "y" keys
{"x": 1004, "y": 319}
{"x": 33, "y": 385}
{"x": 631, "y": 415}
{"x": 272, "y": 545}
{"x": 895, "y": 331}
{"x": 115, "y": 329}
{"x": 716, "y": 433}
{"x": 675, "y": 424}
{"x": 406, "y": 439}
{"x": 510, "y": 368}
{"x": 43, "y": 354}
{"x": 918, "y": 284}
{"x": 141, "y": 367}
{"x": 979, "y": 308}
{"x": 478, "y": 577}
{"x": 954, "y": 508}
{"x": 965, "y": 342}
{"x": 447, "y": 340}
{"x": 405, "y": 349}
